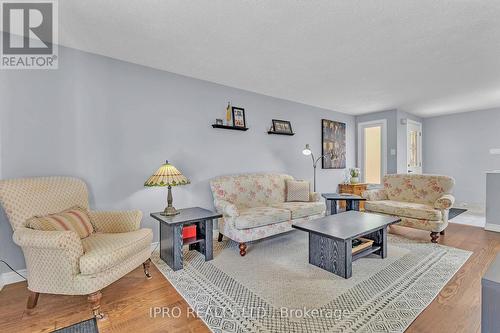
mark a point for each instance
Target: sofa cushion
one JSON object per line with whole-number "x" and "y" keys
{"x": 424, "y": 189}
{"x": 74, "y": 219}
{"x": 297, "y": 190}
{"x": 260, "y": 216}
{"x": 250, "y": 190}
{"x": 405, "y": 209}
{"x": 303, "y": 209}
{"x": 104, "y": 251}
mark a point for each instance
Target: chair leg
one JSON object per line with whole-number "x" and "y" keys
{"x": 442, "y": 232}
{"x": 243, "y": 249}
{"x": 146, "y": 266}
{"x": 220, "y": 237}
{"x": 32, "y": 300}
{"x": 94, "y": 300}
{"x": 434, "y": 237}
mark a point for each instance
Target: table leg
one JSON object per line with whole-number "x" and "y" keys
{"x": 379, "y": 238}
{"x": 332, "y": 255}
{"x": 207, "y": 246}
{"x": 171, "y": 245}
{"x": 333, "y": 207}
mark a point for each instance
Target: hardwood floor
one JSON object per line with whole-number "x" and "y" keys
{"x": 128, "y": 301}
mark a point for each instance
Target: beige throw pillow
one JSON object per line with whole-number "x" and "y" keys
{"x": 75, "y": 219}
{"x": 297, "y": 190}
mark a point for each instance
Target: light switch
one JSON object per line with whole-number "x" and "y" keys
{"x": 495, "y": 151}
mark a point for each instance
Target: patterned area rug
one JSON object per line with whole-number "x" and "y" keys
{"x": 86, "y": 326}
{"x": 274, "y": 288}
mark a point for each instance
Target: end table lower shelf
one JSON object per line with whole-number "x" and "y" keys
{"x": 171, "y": 241}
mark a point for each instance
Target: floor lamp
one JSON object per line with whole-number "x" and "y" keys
{"x": 308, "y": 152}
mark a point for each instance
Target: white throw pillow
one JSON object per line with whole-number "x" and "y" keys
{"x": 297, "y": 190}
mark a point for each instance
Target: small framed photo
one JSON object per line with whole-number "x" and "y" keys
{"x": 282, "y": 126}
{"x": 239, "y": 117}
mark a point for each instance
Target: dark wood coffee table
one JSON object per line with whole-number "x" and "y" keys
{"x": 330, "y": 239}
{"x": 352, "y": 201}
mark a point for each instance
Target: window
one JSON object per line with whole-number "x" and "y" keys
{"x": 372, "y": 151}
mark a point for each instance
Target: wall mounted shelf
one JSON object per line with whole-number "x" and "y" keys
{"x": 230, "y": 127}
{"x": 279, "y": 133}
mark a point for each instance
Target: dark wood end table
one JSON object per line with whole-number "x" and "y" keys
{"x": 171, "y": 241}
{"x": 352, "y": 201}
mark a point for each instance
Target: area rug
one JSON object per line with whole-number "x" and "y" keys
{"x": 86, "y": 326}
{"x": 274, "y": 288}
{"x": 454, "y": 212}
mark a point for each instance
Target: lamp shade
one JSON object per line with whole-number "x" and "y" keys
{"x": 167, "y": 175}
{"x": 307, "y": 151}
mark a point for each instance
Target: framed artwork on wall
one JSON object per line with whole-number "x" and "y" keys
{"x": 239, "y": 117}
{"x": 282, "y": 126}
{"x": 333, "y": 141}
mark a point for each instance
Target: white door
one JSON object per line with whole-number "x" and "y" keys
{"x": 414, "y": 146}
{"x": 372, "y": 151}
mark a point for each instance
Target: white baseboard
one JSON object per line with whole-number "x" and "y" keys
{"x": 492, "y": 227}
{"x": 11, "y": 277}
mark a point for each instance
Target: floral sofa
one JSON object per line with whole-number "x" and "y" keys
{"x": 254, "y": 206}
{"x": 421, "y": 201}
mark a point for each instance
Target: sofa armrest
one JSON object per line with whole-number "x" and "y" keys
{"x": 226, "y": 208}
{"x": 116, "y": 221}
{"x": 375, "y": 195}
{"x": 49, "y": 254}
{"x": 445, "y": 202}
{"x": 314, "y": 196}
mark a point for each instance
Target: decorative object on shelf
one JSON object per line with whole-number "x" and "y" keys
{"x": 189, "y": 231}
{"x": 307, "y": 151}
{"x": 167, "y": 175}
{"x": 228, "y": 115}
{"x": 282, "y": 127}
{"x": 219, "y": 122}
{"x": 333, "y": 142}
{"x": 239, "y": 117}
{"x": 354, "y": 172}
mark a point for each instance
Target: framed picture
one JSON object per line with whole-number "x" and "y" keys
{"x": 239, "y": 117}
{"x": 333, "y": 142}
{"x": 282, "y": 126}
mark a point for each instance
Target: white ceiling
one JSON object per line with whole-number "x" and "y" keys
{"x": 427, "y": 57}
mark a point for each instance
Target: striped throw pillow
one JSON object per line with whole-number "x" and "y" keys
{"x": 297, "y": 190}
{"x": 75, "y": 219}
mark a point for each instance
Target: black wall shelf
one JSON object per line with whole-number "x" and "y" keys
{"x": 230, "y": 127}
{"x": 279, "y": 133}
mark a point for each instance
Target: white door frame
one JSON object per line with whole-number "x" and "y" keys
{"x": 421, "y": 163}
{"x": 361, "y": 146}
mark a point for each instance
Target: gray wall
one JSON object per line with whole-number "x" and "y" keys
{"x": 113, "y": 123}
{"x": 458, "y": 145}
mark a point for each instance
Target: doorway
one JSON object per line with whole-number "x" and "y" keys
{"x": 372, "y": 151}
{"x": 414, "y": 146}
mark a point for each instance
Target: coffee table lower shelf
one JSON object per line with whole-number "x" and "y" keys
{"x": 365, "y": 252}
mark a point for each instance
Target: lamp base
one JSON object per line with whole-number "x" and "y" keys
{"x": 170, "y": 211}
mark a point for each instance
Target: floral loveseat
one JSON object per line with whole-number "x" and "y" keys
{"x": 421, "y": 201}
{"x": 254, "y": 207}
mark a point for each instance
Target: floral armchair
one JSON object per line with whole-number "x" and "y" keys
{"x": 254, "y": 206}
{"x": 421, "y": 201}
{"x": 59, "y": 262}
